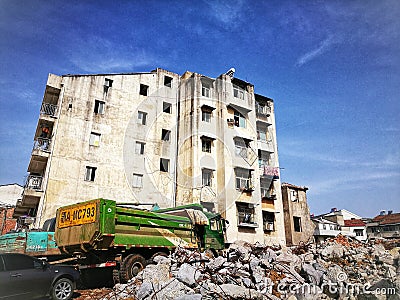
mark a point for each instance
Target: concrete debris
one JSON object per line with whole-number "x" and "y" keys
{"x": 340, "y": 268}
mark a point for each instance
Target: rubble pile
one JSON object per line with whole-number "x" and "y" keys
{"x": 337, "y": 269}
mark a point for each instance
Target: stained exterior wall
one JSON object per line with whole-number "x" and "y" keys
{"x": 58, "y": 167}
{"x": 222, "y": 195}
{"x": 295, "y": 206}
{"x": 114, "y": 157}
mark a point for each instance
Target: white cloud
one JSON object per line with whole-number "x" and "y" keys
{"x": 100, "y": 55}
{"x": 359, "y": 180}
{"x": 229, "y": 13}
{"x": 322, "y": 48}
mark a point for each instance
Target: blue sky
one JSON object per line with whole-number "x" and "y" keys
{"x": 332, "y": 68}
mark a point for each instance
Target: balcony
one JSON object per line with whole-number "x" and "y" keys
{"x": 40, "y": 155}
{"x": 34, "y": 182}
{"x": 263, "y": 113}
{"x": 49, "y": 110}
{"x": 264, "y": 145}
{"x": 42, "y": 144}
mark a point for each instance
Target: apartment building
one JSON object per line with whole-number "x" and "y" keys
{"x": 158, "y": 138}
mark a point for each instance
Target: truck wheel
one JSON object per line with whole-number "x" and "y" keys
{"x": 63, "y": 289}
{"x": 131, "y": 266}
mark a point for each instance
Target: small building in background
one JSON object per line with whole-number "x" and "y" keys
{"x": 357, "y": 228}
{"x": 9, "y": 195}
{"x": 325, "y": 229}
{"x": 348, "y": 223}
{"x": 298, "y": 225}
{"x": 386, "y": 225}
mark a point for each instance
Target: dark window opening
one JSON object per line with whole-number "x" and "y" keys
{"x": 167, "y": 107}
{"x": 239, "y": 120}
{"x": 143, "y": 89}
{"x": 206, "y": 115}
{"x": 206, "y": 145}
{"x": 142, "y": 117}
{"x": 165, "y": 135}
{"x": 245, "y": 213}
{"x": 269, "y": 221}
{"x": 205, "y": 91}
{"x": 207, "y": 175}
{"x": 90, "y": 173}
{"x": 164, "y": 165}
{"x": 139, "y": 149}
{"x": 168, "y": 81}
{"x": 108, "y": 82}
{"x": 297, "y": 224}
{"x": 99, "y": 107}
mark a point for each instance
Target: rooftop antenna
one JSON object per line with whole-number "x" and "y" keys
{"x": 230, "y": 72}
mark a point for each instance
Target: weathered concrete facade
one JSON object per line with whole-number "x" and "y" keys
{"x": 298, "y": 225}
{"x": 158, "y": 138}
{"x": 227, "y": 156}
{"x": 105, "y": 140}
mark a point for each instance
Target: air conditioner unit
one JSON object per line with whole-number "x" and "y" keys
{"x": 230, "y": 121}
{"x": 269, "y": 226}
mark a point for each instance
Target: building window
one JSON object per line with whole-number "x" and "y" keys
{"x": 137, "y": 180}
{"x": 263, "y": 158}
{"x": 94, "y": 139}
{"x": 265, "y": 187}
{"x": 268, "y": 221}
{"x": 206, "y": 115}
{"x": 206, "y": 175}
{"x": 241, "y": 147}
{"x": 108, "y": 82}
{"x": 243, "y": 179}
{"x": 359, "y": 232}
{"x": 164, "y": 165}
{"x": 165, "y": 135}
{"x": 167, "y": 107}
{"x": 238, "y": 93}
{"x": 90, "y": 173}
{"x": 261, "y": 134}
{"x": 205, "y": 91}
{"x": 139, "y": 148}
{"x": 294, "y": 196}
{"x": 142, "y": 117}
{"x": 206, "y": 145}
{"x": 99, "y": 107}
{"x": 245, "y": 214}
{"x": 167, "y": 81}
{"x": 143, "y": 89}
{"x": 239, "y": 120}
{"x": 297, "y": 224}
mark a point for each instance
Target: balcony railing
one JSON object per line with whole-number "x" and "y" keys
{"x": 263, "y": 112}
{"x": 34, "y": 182}
{"x": 270, "y": 171}
{"x": 49, "y": 109}
{"x": 42, "y": 144}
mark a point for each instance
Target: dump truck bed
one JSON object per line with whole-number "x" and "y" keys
{"x": 100, "y": 224}
{"x": 34, "y": 243}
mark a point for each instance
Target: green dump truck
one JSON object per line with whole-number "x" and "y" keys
{"x": 103, "y": 233}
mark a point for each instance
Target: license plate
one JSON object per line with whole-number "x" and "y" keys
{"x": 79, "y": 215}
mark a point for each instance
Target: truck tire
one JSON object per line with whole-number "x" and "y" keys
{"x": 63, "y": 289}
{"x": 131, "y": 266}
